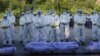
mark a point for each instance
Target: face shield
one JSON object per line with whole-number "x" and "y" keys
{"x": 34, "y": 14}
{"x": 10, "y": 13}
{"x": 54, "y": 14}
{"x": 22, "y": 14}
{"x": 5, "y": 16}
{"x": 79, "y": 13}
{"x": 64, "y": 13}
{"x": 48, "y": 13}
{"x": 28, "y": 12}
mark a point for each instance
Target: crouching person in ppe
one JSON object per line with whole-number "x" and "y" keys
{"x": 6, "y": 33}
{"x": 12, "y": 20}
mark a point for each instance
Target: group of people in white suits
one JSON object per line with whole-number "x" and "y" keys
{"x": 79, "y": 27}
{"x": 51, "y": 27}
{"x": 8, "y": 31}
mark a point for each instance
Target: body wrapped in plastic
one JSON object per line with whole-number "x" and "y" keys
{"x": 53, "y": 46}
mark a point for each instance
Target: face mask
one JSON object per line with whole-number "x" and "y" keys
{"x": 53, "y": 14}
{"x": 79, "y": 13}
{"x": 27, "y": 12}
{"x": 64, "y": 13}
{"x": 9, "y": 14}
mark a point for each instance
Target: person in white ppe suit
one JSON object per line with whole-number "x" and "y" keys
{"x": 39, "y": 28}
{"x": 98, "y": 32}
{"x": 54, "y": 32}
{"x": 64, "y": 26}
{"x": 7, "y": 51}
{"x": 79, "y": 27}
{"x": 22, "y": 28}
{"x": 28, "y": 26}
{"x": 11, "y": 18}
{"x": 47, "y": 26}
{"x": 6, "y": 33}
{"x": 35, "y": 38}
{"x": 94, "y": 19}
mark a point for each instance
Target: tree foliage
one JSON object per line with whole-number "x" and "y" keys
{"x": 72, "y": 5}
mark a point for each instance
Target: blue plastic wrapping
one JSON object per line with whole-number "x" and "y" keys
{"x": 54, "y": 46}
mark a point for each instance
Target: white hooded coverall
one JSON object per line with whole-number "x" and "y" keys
{"x": 79, "y": 27}
{"x": 64, "y": 26}
{"x": 94, "y": 19}
{"x": 22, "y": 28}
{"x": 6, "y": 33}
{"x": 39, "y": 29}
{"x": 11, "y": 18}
{"x": 28, "y": 27}
{"x": 54, "y": 32}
